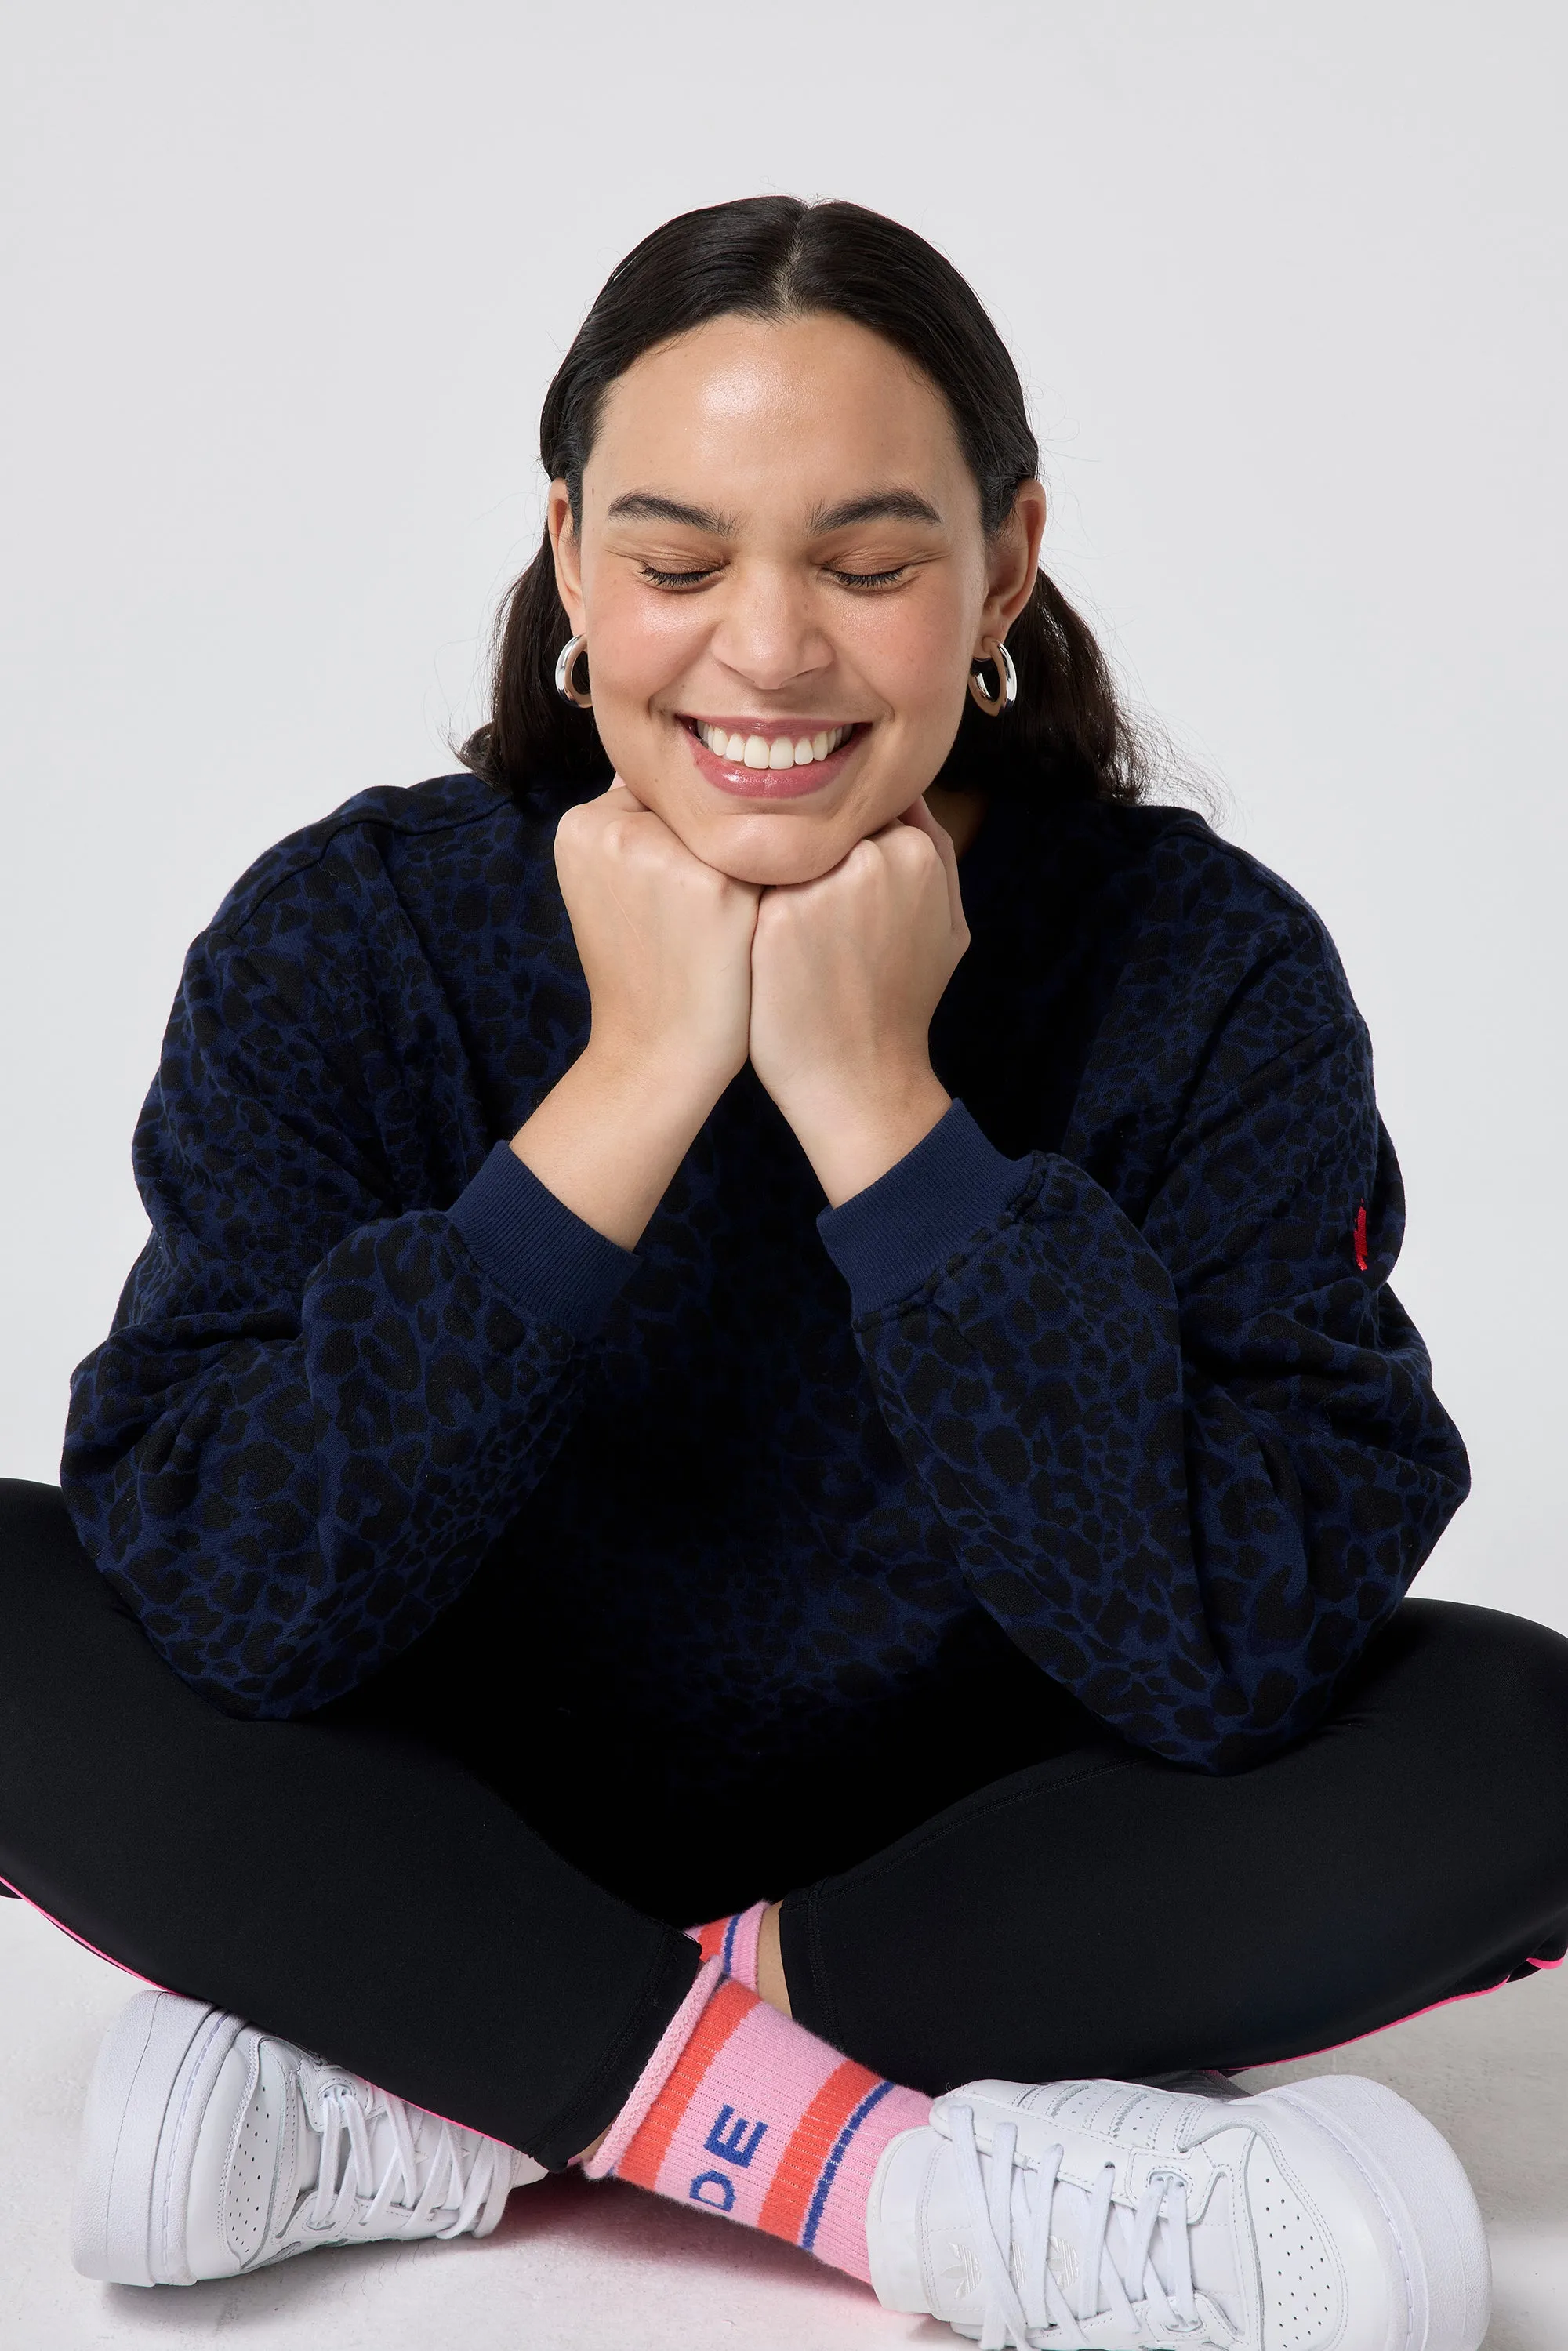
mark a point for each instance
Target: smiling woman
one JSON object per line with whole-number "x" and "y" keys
{"x": 840, "y": 584}
{"x": 512, "y": 1517}
{"x": 929, "y": 350}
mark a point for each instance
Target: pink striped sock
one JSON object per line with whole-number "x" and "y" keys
{"x": 744, "y": 2111}
{"x": 733, "y": 1940}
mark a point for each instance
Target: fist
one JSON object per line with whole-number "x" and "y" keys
{"x": 846, "y": 972}
{"x": 665, "y": 946}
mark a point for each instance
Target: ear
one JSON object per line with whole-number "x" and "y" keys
{"x": 1012, "y": 559}
{"x": 567, "y": 554}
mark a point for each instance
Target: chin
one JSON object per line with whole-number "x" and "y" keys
{"x": 772, "y": 853}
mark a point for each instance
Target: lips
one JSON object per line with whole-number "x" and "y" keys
{"x": 769, "y": 760}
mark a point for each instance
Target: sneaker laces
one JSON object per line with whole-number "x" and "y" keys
{"x": 1025, "y": 2304}
{"x": 462, "y": 2171}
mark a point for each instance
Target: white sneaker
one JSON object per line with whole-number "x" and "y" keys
{"x": 208, "y": 2149}
{"x": 1327, "y": 2216}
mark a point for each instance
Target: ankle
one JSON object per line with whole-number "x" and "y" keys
{"x": 770, "y": 1981}
{"x": 758, "y": 2120}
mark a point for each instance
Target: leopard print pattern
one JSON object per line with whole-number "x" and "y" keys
{"x": 1162, "y": 1422}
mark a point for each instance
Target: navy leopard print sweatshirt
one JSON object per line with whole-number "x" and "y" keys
{"x": 1104, "y": 1376}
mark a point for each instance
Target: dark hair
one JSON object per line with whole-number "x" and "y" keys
{"x": 776, "y": 257}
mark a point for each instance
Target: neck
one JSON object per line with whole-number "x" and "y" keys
{"x": 959, "y": 814}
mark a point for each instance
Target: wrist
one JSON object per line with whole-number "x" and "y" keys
{"x": 853, "y": 1137}
{"x": 654, "y": 1086}
{"x": 609, "y": 1136}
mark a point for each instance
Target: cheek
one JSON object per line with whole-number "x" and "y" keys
{"x": 917, "y": 658}
{"x": 637, "y": 644}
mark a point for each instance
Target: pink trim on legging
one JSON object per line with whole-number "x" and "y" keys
{"x": 82, "y": 1939}
{"x": 1542, "y": 1967}
{"x": 152, "y": 1986}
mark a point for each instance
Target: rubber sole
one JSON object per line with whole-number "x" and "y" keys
{"x": 1425, "y": 2196}
{"x": 157, "y": 2061}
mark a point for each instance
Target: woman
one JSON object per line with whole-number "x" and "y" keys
{"x": 520, "y": 1535}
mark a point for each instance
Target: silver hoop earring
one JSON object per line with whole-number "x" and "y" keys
{"x": 1007, "y": 692}
{"x": 565, "y": 685}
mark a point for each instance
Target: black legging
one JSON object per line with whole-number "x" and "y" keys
{"x": 374, "y": 1885}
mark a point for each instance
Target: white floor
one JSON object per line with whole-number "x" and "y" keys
{"x": 574, "y": 2268}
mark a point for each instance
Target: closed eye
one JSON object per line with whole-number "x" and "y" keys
{"x": 657, "y": 579}
{"x": 869, "y": 578}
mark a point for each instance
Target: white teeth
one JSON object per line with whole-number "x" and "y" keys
{"x": 782, "y": 751}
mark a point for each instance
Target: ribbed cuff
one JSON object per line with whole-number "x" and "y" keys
{"x": 552, "y": 1266}
{"x": 656, "y": 2071}
{"x": 903, "y": 1229}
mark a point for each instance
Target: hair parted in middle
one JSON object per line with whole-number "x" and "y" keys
{"x": 1066, "y": 736}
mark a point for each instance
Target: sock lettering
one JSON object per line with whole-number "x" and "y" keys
{"x": 723, "y": 2201}
{"x": 751, "y": 2117}
{"x": 736, "y": 2148}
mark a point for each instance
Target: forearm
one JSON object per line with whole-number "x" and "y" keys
{"x": 852, "y": 1138}
{"x": 846, "y": 973}
{"x": 1197, "y": 1548}
{"x": 287, "y": 1511}
{"x": 608, "y": 1138}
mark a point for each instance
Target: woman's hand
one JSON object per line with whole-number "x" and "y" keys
{"x": 665, "y": 946}
{"x": 845, "y": 975}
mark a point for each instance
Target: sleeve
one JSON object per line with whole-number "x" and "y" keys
{"x": 317, "y": 1405}
{"x": 1188, "y": 1466}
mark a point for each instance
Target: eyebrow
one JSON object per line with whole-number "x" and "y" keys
{"x": 647, "y": 506}
{"x": 877, "y": 506}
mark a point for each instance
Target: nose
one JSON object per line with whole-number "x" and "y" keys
{"x": 768, "y": 633}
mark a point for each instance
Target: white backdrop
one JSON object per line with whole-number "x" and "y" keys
{"x": 284, "y": 282}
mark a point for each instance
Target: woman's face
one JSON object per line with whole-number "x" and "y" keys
{"x": 783, "y": 579}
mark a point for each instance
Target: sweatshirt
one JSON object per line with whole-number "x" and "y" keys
{"x": 1103, "y": 1382}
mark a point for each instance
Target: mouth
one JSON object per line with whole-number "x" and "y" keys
{"x": 771, "y": 758}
